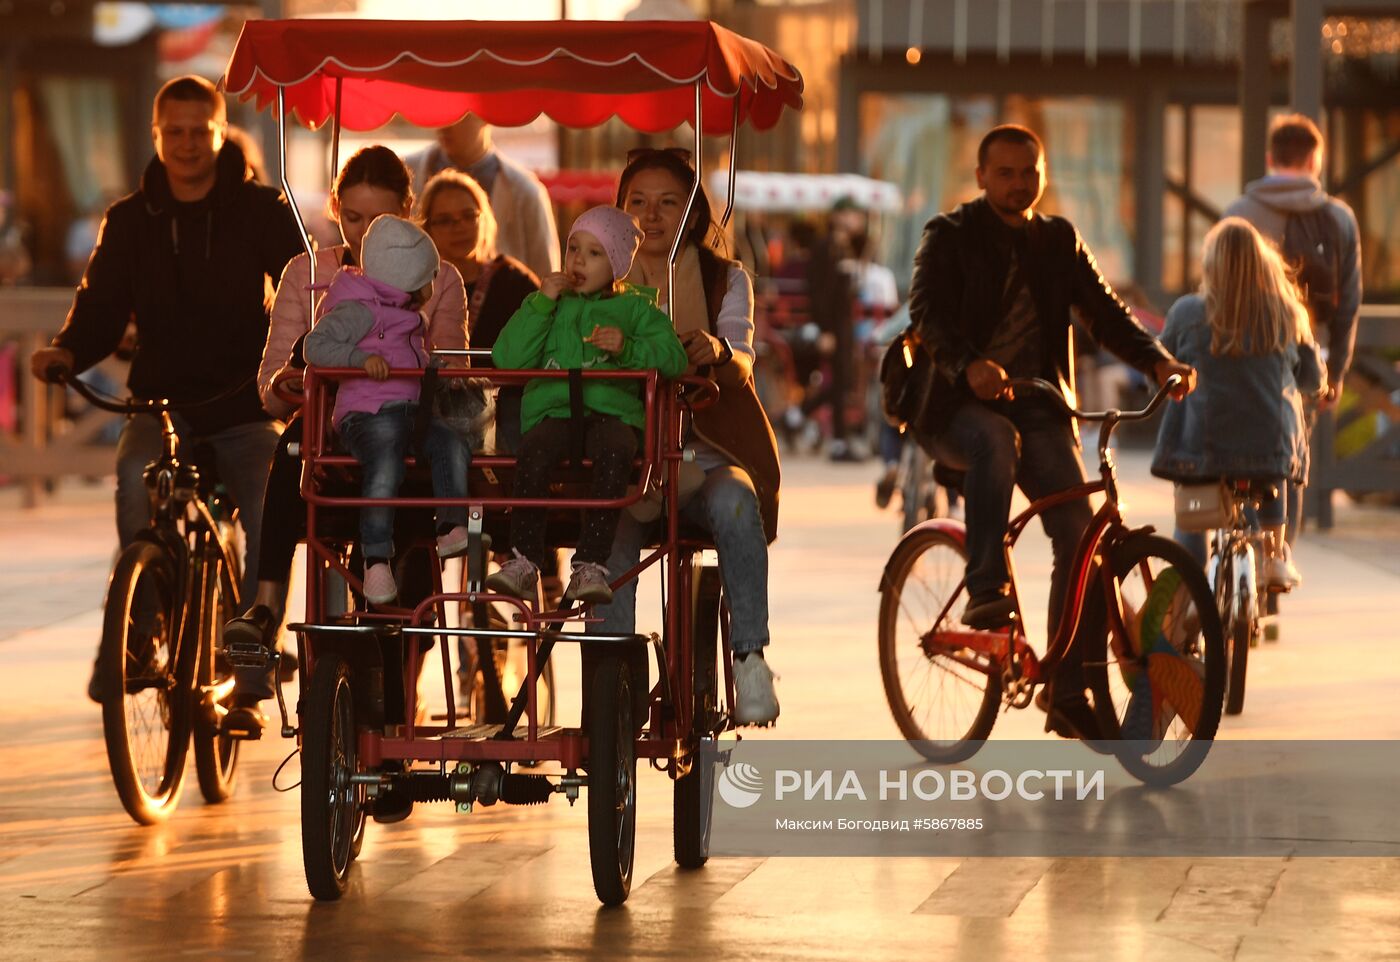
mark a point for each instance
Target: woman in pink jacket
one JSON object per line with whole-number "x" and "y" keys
{"x": 372, "y": 182}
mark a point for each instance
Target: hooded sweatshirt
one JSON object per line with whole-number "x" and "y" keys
{"x": 195, "y": 278}
{"x": 365, "y": 317}
{"x": 1267, "y": 203}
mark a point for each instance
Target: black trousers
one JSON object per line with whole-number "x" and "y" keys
{"x": 610, "y": 444}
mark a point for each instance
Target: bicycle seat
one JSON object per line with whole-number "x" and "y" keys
{"x": 1252, "y": 488}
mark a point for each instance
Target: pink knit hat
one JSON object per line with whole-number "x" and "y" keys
{"x": 617, "y": 231}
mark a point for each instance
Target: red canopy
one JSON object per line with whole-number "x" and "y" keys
{"x": 579, "y": 73}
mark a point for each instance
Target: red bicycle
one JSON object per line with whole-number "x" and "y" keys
{"x": 1154, "y": 658}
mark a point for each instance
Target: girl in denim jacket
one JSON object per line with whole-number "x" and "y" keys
{"x": 1247, "y": 334}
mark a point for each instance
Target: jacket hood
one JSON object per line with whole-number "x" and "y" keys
{"x": 352, "y": 284}
{"x": 231, "y": 170}
{"x": 1289, "y": 193}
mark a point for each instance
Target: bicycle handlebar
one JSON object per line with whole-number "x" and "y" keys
{"x": 58, "y": 374}
{"x": 1042, "y": 386}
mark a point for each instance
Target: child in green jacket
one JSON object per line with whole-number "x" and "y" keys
{"x": 583, "y": 317}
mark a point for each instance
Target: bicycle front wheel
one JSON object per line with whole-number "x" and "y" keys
{"x": 215, "y": 754}
{"x": 146, "y": 705}
{"x": 943, "y": 703}
{"x": 1157, "y": 673}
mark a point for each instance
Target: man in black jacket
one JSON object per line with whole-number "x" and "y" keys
{"x": 994, "y": 284}
{"x": 191, "y": 257}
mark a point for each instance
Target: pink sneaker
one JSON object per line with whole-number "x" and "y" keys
{"x": 518, "y": 578}
{"x": 379, "y": 585}
{"x": 455, "y": 542}
{"x": 589, "y": 584}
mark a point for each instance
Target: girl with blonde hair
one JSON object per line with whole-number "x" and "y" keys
{"x": 1247, "y": 334}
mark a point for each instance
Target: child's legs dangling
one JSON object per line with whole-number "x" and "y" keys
{"x": 379, "y": 442}
{"x": 449, "y": 459}
{"x": 542, "y": 447}
{"x": 610, "y": 444}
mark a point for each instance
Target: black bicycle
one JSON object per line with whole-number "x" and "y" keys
{"x": 162, "y": 680}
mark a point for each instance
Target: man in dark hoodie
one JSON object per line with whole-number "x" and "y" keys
{"x": 1290, "y": 208}
{"x": 191, "y": 257}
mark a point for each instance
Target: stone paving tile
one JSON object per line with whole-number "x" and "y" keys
{"x": 79, "y": 881}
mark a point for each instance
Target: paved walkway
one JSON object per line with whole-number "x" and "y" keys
{"x": 79, "y": 881}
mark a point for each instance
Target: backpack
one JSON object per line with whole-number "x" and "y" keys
{"x": 1312, "y": 247}
{"x": 906, "y": 377}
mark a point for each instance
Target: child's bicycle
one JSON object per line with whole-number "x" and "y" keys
{"x": 1154, "y": 655}
{"x": 1242, "y": 597}
{"x": 171, "y": 592}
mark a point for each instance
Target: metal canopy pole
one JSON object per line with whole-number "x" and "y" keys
{"x": 689, "y": 204}
{"x": 335, "y": 135}
{"x": 733, "y": 162}
{"x": 292, "y": 201}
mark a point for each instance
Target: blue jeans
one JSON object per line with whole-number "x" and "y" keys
{"x": 380, "y": 442}
{"x": 1000, "y": 446}
{"x": 727, "y": 507}
{"x": 242, "y": 455}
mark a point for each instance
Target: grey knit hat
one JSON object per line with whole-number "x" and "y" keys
{"x": 397, "y": 252}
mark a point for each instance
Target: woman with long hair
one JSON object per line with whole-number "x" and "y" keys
{"x": 711, "y": 308}
{"x": 373, "y": 181}
{"x": 1246, "y": 331}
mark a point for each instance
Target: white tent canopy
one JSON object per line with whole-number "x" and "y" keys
{"x": 756, "y": 191}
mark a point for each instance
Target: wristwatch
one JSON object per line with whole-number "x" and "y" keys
{"x": 726, "y": 353}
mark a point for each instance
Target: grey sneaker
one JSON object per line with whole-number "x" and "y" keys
{"x": 589, "y": 584}
{"x": 756, "y": 702}
{"x": 518, "y": 578}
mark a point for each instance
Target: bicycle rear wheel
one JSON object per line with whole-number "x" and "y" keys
{"x": 146, "y": 706}
{"x": 944, "y": 704}
{"x": 215, "y": 754}
{"x": 1236, "y": 607}
{"x": 1159, "y": 684}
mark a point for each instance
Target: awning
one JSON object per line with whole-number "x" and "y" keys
{"x": 579, "y": 73}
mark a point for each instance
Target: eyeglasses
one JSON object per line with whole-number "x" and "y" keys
{"x": 464, "y": 218}
{"x": 641, "y": 153}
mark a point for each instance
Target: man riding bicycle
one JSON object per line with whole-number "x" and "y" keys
{"x": 993, "y": 287}
{"x": 189, "y": 257}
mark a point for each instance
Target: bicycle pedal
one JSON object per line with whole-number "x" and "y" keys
{"x": 248, "y": 654}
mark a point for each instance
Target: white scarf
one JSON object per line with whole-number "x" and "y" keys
{"x": 691, "y": 313}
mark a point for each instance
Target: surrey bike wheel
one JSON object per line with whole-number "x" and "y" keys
{"x": 146, "y": 702}
{"x": 690, "y": 809}
{"x": 1159, "y": 683}
{"x": 215, "y": 754}
{"x": 332, "y": 806}
{"x": 944, "y": 703}
{"x": 612, "y": 781}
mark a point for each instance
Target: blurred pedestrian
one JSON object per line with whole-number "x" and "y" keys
{"x": 524, "y": 214}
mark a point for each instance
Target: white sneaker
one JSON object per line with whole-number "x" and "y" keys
{"x": 1280, "y": 573}
{"x": 757, "y": 704}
